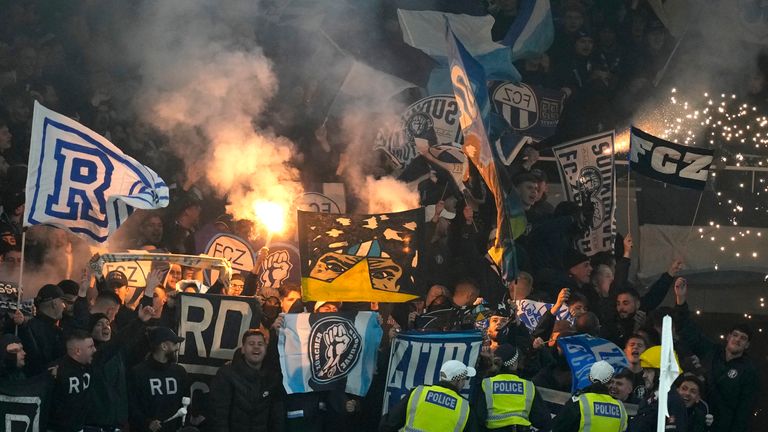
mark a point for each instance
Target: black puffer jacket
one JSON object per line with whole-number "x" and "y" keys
{"x": 245, "y": 399}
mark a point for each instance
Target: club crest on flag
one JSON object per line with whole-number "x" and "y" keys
{"x": 335, "y": 349}
{"x": 434, "y": 119}
{"x": 530, "y": 110}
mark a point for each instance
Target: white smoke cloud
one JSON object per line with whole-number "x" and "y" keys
{"x": 204, "y": 83}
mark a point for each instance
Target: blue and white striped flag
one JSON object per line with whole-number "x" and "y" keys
{"x": 582, "y": 350}
{"x": 78, "y": 180}
{"x": 327, "y": 351}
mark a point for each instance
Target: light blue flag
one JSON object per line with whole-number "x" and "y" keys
{"x": 328, "y": 351}
{"x": 416, "y": 358}
{"x": 532, "y": 32}
{"x": 582, "y": 350}
{"x": 422, "y": 21}
{"x": 79, "y": 181}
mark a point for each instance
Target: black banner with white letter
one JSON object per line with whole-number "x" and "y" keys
{"x": 212, "y": 326}
{"x": 668, "y": 162}
{"x": 24, "y": 404}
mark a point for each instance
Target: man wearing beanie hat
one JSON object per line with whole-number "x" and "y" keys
{"x": 593, "y": 409}
{"x": 108, "y": 398}
{"x": 509, "y": 403}
{"x": 434, "y": 408}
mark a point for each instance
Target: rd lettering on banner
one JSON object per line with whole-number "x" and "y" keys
{"x": 416, "y": 358}
{"x": 587, "y": 174}
{"x": 212, "y": 326}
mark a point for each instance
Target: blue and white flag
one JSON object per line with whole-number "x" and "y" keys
{"x": 532, "y": 111}
{"x": 80, "y": 181}
{"x": 416, "y": 358}
{"x": 529, "y": 312}
{"x": 422, "y": 23}
{"x": 582, "y": 350}
{"x": 328, "y": 351}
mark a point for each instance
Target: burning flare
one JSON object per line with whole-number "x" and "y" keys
{"x": 271, "y": 215}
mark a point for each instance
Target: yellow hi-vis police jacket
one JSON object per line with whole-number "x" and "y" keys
{"x": 509, "y": 399}
{"x": 601, "y": 413}
{"x": 435, "y": 409}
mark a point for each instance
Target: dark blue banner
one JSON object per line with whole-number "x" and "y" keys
{"x": 416, "y": 358}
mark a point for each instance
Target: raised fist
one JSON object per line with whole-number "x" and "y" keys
{"x": 337, "y": 341}
{"x": 276, "y": 269}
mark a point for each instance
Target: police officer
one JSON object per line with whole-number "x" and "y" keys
{"x": 593, "y": 409}
{"x": 509, "y": 403}
{"x": 435, "y": 408}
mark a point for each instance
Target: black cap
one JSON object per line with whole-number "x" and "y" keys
{"x": 116, "y": 279}
{"x": 163, "y": 334}
{"x": 69, "y": 287}
{"x": 573, "y": 257}
{"x": 48, "y": 292}
{"x": 582, "y": 34}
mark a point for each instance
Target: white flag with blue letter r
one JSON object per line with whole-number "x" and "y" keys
{"x": 80, "y": 181}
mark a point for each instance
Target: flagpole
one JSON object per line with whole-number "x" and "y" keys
{"x": 629, "y": 210}
{"x": 693, "y": 222}
{"x": 21, "y": 273}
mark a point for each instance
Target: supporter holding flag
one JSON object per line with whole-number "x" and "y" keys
{"x": 645, "y": 420}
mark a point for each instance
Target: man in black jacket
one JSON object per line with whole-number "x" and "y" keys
{"x": 43, "y": 341}
{"x": 157, "y": 385}
{"x": 245, "y": 396}
{"x": 733, "y": 382}
{"x": 74, "y": 375}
